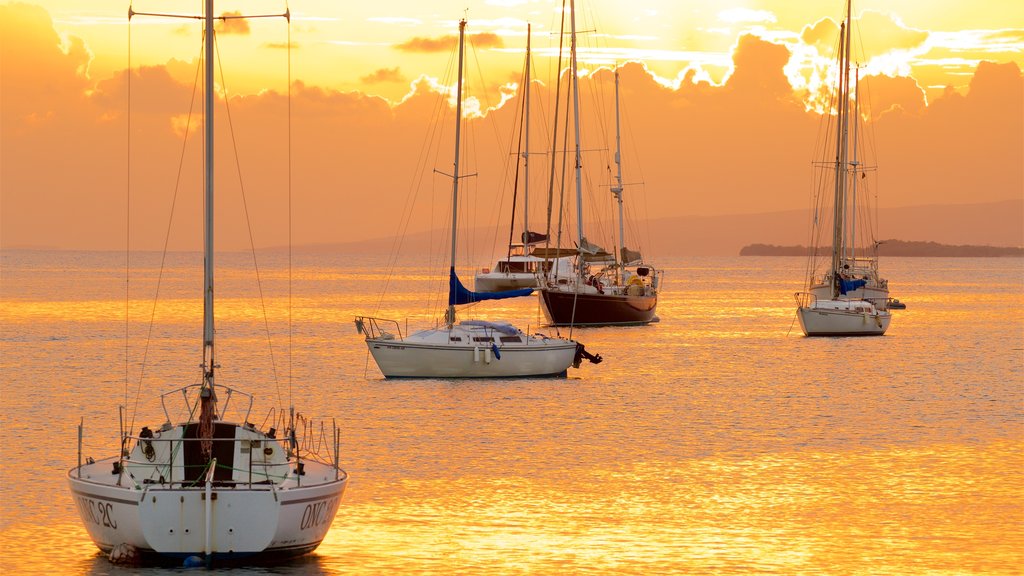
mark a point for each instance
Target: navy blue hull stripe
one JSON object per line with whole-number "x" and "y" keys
{"x": 105, "y": 498}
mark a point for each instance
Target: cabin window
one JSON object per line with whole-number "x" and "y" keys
{"x": 455, "y": 338}
{"x": 515, "y": 339}
{"x": 517, "y": 267}
{"x": 482, "y": 339}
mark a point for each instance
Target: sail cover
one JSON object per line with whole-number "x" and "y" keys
{"x": 459, "y": 294}
{"x": 850, "y": 285}
{"x": 503, "y": 327}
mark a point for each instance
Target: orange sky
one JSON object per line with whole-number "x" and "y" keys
{"x": 720, "y": 103}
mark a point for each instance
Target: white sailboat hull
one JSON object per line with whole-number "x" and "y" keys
{"x": 842, "y": 318}
{"x": 255, "y": 496}
{"x": 519, "y": 271}
{"x": 498, "y": 281}
{"x": 273, "y": 523}
{"x": 471, "y": 352}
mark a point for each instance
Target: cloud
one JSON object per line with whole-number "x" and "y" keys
{"x": 992, "y": 41}
{"x": 384, "y": 75}
{"x": 758, "y": 66}
{"x": 233, "y": 24}
{"x": 881, "y": 34}
{"x": 486, "y": 40}
{"x": 882, "y": 46}
{"x": 884, "y": 33}
{"x": 700, "y": 148}
{"x": 428, "y": 45}
{"x": 888, "y": 94}
{"x": 823, "y": 34}
{"x": 445, "y": 43}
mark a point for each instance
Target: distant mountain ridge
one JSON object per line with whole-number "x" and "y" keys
{"x": 895, "y": 248}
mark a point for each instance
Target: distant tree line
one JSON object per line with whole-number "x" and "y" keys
{"x": 893, "y": 248}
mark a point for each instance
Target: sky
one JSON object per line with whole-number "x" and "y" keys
{"x": 722, "y": 105}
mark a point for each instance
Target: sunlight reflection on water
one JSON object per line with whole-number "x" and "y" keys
{"x": 717, "y": 441}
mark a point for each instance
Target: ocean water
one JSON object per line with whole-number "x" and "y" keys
{"x": 717, "y": 441}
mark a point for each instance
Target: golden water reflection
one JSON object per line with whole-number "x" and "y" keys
{"x": 780, "y": 513}
{"x": 717, "y": 441}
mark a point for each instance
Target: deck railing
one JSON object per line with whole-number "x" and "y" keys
{"x": 254, "y": 471}
{"x": 371, "y": 328}
{"x": 192, "y": 404}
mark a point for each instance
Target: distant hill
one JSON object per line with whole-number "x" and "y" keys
{"x": 894, "y": 248}
{"x": 988, "y": 224}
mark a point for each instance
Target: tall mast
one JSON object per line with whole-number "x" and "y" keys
{"x": 617, "y": 189}
{"x": 455, "y": 176}
{"x": 526, "y": 145}
{"x": 208, "y": 357}
{"x": 838, "y": 227}
{"x": 576, "y": 121}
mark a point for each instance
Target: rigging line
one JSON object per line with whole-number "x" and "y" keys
{"x": 791, "y": 322}
{"x": 410, "y": 200}
{"x": 521, "y": 97}
{"x": 437, "y": 255}
{"x": 554, "y": 136}
{"x": 515, "y": 184}
{"x": 288, "y": 12}
{"x": 487, "y": 113}
{"x": 167, "y": 237}
{"x": 821, "y": 174}
{"x": 637, "y": 166}
{"x": 248, "y": 221}
{"x": 472, "y": 201}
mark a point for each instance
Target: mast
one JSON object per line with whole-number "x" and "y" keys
{"x": 838, "y": 227}
{"x": 208, "y": 333}
{"x": 617, "y": 189}
{"x": 526, "y": 152}
{"x": 450, "y": 316}
{"x": 576, "y": 122}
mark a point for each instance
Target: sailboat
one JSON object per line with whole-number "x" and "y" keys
{"x": 470, "y": 348}
{"x": 212, "y": 487}
{"x": 605, "y": 289}
{"x": 849, "y": 298}
{"x": 525, "y": 265}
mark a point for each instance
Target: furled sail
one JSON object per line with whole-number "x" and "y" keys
{"x": 630, "y": 257}
{"x": 588, "y": 248}
{"x": 459, "y": 294}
